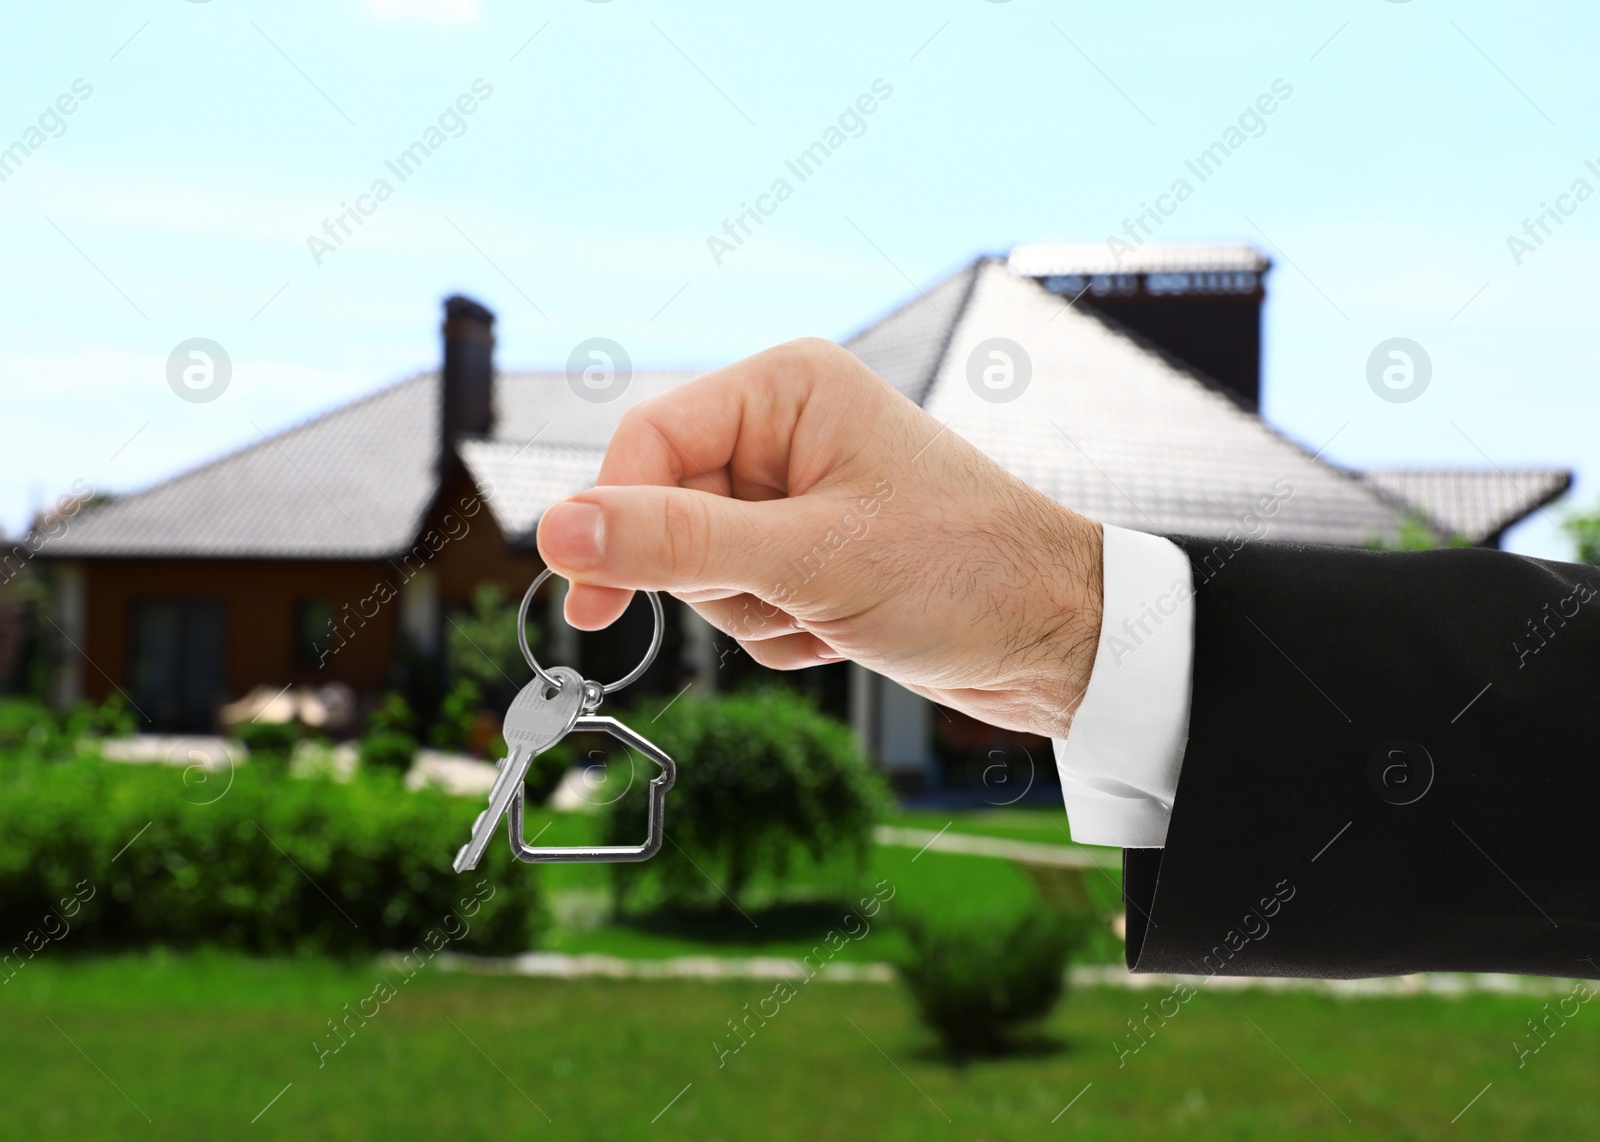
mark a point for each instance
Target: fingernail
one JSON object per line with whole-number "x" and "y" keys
{"x": 574, "y": 535}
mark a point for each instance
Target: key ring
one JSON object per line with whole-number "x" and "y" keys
{"x": 543, "y": 713}
{"x": 610, "y": 687}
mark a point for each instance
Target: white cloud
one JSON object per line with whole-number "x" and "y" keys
{"x": 425, "y": 11}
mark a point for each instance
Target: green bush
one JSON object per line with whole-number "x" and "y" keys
{"x": 29, "y": 728}
{"x": 111, "y": 718}
{"x": 457, "y": 713}
{"x": 547, "y": 771}
{"x": 390, "y": 742}
{"x": 393, "y": 713}
{"x": 760, "y": 775}
{"x": 389, "y": 749}
{"x": 269, "y": 743}
{"x": 252, "y": 860}
{"x": 979, "y": 983}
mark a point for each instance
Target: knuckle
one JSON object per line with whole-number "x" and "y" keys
{"x": 634, "y": 424}
{"x": 812, "y": 348}
{"x": 808, "y": 361}
{"x": 631, "y": 421}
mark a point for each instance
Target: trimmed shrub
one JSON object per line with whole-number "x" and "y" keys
{"x": 271, "y": 743}
{"x": 252, "y": 860}
{"x": 760, "y": 775}
{"x": 980, "y": 983}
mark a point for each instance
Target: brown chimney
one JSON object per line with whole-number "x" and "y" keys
{"x": 466, "y": 388}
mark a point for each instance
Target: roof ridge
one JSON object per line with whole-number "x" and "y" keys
{"x": 920, "y": 295}
{"x": 974, "y": 270}
{"x": 1419, "y": 470}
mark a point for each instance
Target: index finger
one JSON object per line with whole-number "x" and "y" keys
{"x": 734, "y": 431}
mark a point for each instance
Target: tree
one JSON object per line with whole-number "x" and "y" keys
{"x": 1417, "y": 535}
{"x": 1584, "y": 531}
{"x": 481, "y": 642}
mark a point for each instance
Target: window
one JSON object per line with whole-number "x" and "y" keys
{"x": 179, "y": 662}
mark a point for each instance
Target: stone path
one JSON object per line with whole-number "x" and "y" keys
{"x": 1027, "y": 852}
{"x": 560, "y": 965}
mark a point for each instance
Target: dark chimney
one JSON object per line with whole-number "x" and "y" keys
{"x": 1200, "y": 303}
{"x": 466, "y": 389}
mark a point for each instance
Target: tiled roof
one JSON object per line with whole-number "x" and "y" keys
{"x": 351, "y": 484}
{"x": 1476, "y": 505}
{"x": 522, "y": 480}
{"x": 1046, "y": 259}
{"x": 543, "y": 407}
{"x": 1129, "y": 437}
{"x": 1106, "y": 426}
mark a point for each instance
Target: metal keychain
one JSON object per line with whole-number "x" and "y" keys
{"x": 547, "y": 709}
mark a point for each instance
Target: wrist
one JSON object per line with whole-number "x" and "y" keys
{"x": 1079, "y": 600}
{"x": 1081, "y": 649}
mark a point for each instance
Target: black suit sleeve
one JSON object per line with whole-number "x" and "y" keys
{"x": 1393, "y": 766}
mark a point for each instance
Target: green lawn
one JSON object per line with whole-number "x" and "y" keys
{"x": 924, "y": 882}
{"x": 201, "y": 1045}
{"x": 1046, "y": 826}
{"x": 936, "y": 882}
{"x": 930, "y": 881}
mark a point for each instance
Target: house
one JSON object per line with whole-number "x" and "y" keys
{"x": 339, "y": 546}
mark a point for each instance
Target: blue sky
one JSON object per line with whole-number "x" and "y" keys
{"x": 176, "y": 200}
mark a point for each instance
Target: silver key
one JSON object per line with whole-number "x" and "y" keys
{"x": 537, "y": 719}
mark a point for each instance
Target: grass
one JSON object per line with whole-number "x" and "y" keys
{"x": 930, "y": 881}
{"x": 818, "y": 898}
{"x": 1045, "y": 826}
{"x": 933, "y": 882}
{"x": 202, "y": 1044}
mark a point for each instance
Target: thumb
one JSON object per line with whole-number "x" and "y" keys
{"x": 651, "y": 538}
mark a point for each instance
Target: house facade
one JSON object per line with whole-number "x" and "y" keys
{"x": 338, "y": 548}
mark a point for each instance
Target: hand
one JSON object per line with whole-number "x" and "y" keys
{"x": 801, "y": 505}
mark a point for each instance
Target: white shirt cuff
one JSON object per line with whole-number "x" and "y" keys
{"x": 1119, "y": 762}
